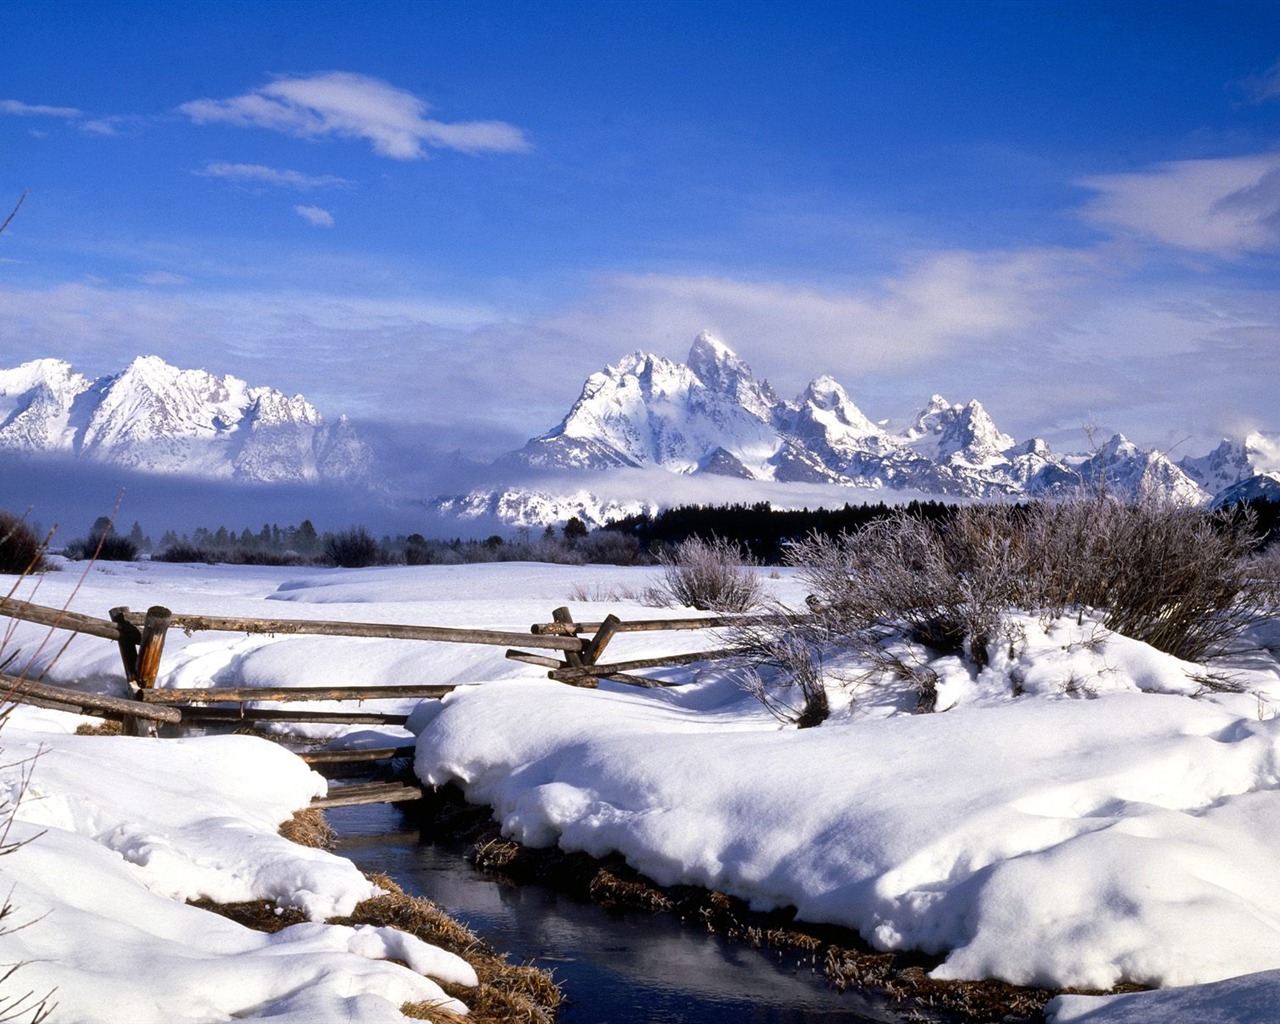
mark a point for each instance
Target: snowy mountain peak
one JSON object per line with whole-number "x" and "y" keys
{"x": 709, "y": 351}
{"x": 713, "y": 416}
{"x": 1124, "y": 469}
{"x": 949, "y": 432}
{"x": 157, "y": 418}
{"x": 1118, "y": 447}
{"x": 721, "y": 371}
{"x": 825, "y": 400}
{"x": 929, "y": 419}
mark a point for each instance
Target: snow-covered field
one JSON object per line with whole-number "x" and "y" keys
{"x": 1116, "y": 820}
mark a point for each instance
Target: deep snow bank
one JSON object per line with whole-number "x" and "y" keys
{"x": 1081, "y": 834}
{"x": 119, "y": 832}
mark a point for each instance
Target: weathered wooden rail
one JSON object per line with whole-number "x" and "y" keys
{"x": 571, "y": 651}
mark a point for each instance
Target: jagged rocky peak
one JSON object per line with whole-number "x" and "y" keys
{"x": 720, "y": 370}
{"x": 714, "y": 362}
{"x": 1127, "y": 470}
{"x": 929, "y": 420}
{"x": 1234, "y": 461}
{"x": 945, "y": 430}
{"x": 714, "y": 417}
{"x": 824, "y": 395}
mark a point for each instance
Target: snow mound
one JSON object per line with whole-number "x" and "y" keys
{"x": 1077, "y": 822}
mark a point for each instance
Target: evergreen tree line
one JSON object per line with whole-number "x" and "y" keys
{"x": 762, "y": 533}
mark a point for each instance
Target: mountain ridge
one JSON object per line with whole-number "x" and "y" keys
{"x": 642, "y": 433}
{"x": 155, "y": 418}
{"x": 711, "y": 416}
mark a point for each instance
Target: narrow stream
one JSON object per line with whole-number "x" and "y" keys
{"x": 614, "y": 967}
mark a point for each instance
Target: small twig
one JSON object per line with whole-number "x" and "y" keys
{"x": 14, "y": 212}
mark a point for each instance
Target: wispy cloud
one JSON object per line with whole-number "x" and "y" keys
{"x": 118, "y": 124}
{"x": 1265, "y": 86}
{"x": 1225, "y": 207}
{"x": 19, "y": 109}
{"x": 317, "y": 216}
{"x": 348, "y": 105}
{"x": 937, "y": 303}
{"x": 259, "y": 174}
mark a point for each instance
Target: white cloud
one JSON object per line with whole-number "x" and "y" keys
{"x": 316, "y": 216}
{"x": 260, "y": 174}
{"x": 101, "y": 126}
{"x": 20, "y": 109}
{"x": 939, "y": 303}
{"x": 1225, "y": 207}
{"x": 349, "y": 105}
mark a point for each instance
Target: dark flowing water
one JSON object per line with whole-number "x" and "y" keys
{"x": 614, "y": 967}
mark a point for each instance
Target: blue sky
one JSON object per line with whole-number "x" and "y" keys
{"x": 445, "y": 215}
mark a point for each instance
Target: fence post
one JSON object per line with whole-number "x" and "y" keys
{"x": 151, "y": 646}
{"x": 595, "y": 647}
{"x": 562, "y": 615}
{"x": 140, "y": 652}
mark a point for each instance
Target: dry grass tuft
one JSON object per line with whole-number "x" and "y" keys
{"x": 309, "y": 827}
{"x": 107, "y": 727}
{"x": 434, "y": 1013}
{"x": 496, "y": 854}
{"x": 507, "y": 994}
{"x": 609, "y": 890}
{"x": 259, "y": 915}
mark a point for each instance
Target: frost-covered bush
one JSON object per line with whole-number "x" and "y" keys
{"x": 785, "y": 671}
{"x": 1175, "y": 577}
{"x": 710, "y": 575}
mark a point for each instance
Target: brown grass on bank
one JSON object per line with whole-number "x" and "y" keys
{"x": 507, "y": 994}
{"x": 834, "y": 953}
{"x": 309, "y": 827}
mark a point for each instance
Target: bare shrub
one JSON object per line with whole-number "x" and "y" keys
{"x": 794, "y": 654}
{"x": 710, "y": 575}
{"x": 21, "y": 551}
{"x": 351, "y": 549}
{"x": 601, "y": 593}
{"x": 945, "y": 586}
{"x": 184, "y": 553}
{"x": 1175, "y": 577}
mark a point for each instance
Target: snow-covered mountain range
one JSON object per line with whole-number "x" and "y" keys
{"x": 645, "y": 433}
{"x": 711, "y": 416}
{"x": 155, "y": 418}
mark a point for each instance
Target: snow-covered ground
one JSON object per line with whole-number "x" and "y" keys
{"x": 1082, "y": 812}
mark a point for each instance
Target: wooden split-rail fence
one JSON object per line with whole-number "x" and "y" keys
{"x": 570, "y": 651}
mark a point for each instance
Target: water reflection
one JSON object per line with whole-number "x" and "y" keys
{"x": 615, "y": 967}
